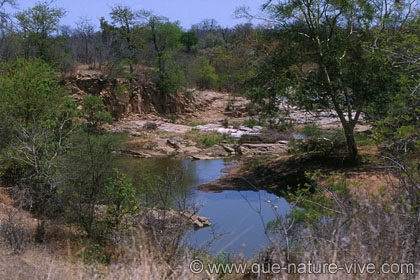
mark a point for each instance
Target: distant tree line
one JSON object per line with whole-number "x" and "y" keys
{"x": 206, "y": 56}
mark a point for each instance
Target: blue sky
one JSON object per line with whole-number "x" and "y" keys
{"x": 188, "y": 12}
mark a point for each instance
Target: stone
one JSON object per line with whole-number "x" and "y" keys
{"x": 262, "y": 149}
{"x": 175, "y": 218}
{"x": 188, "y": 150}
{"x": 245, "y": 128}
{"x": 177, "y": 128}
{"x": 215, "y": 151}
{"x": 177, "y": 139}
{"x": 228, "y": 148}
{"x": 172, "y": 143}
{"x": 201, "y": 157}
{"x": 150, "y": 126}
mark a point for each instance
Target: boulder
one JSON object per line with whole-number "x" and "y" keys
{"x": 172, "y": 218}
{"x": 228, "y": 148}
{"x": 201, "y": 157}
{"x": 262, "y": 149}
{"x": 172, "y": 143}
{"x": 150, "y": 126}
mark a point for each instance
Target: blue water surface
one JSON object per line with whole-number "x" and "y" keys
{"x": 239, "y": 218}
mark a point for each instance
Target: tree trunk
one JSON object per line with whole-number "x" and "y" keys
{"x": 131, "y": 68}
{"x": 348, "y": 126}
{"x": 86, "y": 52}
{"x": 353, "y": 153}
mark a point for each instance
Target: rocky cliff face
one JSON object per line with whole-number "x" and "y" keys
{"x": 123, "y": 96}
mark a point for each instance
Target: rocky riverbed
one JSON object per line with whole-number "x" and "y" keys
{"x": 173, "y": 125}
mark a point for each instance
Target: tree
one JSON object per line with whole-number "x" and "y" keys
{"x": 335, "y": 38}
{"x": 5, "y": 26}
{"x": 37, "y": 24}
{"x": 203, "y": 74}
{"x": 94, "y": 113}
{"x": 36, "y": 150}
{"x": 3, "y": 14}
{"x": 84, "y": 171}
{"x": 86, "y": 167}
{"x": 122, "y": 201}
{"x": 39, "y": 120}
{"x": 404, "y": 53}
{"x": 210, "y": 33}
{"x": 29, "y": 91}
{"x": 125, "y": 20}
{"x": 398, "y": 135}
{"x": 85, "y": 30}
{"x": 189, "y": 40}
{"x": 165, "y": 37}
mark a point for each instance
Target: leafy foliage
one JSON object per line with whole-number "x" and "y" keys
{"x": 94, "y": 112}
{"x": 203, "y": 74}
{"x": 323, "y": 57}
{"x": 208, "y": 139}
{"x": 29, "y": 91}
{"x": 123, "y": 201}
{"x": 37, "y": 25}
{"x": 189, "y": 40}
{"x": 83, "y": 188}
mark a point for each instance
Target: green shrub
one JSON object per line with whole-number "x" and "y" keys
{"x": 339, "y": 140}
{"x": 122, "y": 201}
{"x": 251, "y": 122}
{"x": 319, "y": 141}
{"x": 203, "y": 74}
{"x": 29, "y": 91}
{"x": 208, "y": 139}
{"x": 93, "y": 254}
{"x": 195, "y": 124}
{"x": 312, "y": 130}
{"x": 173, "y": 79}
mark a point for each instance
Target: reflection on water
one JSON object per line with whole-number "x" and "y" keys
{"x": 238, "y": 217}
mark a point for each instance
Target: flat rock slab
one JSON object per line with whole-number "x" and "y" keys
{"x": 201, "y": 157}
{"x": 176, "y": 128}
{"x": 262, "y": 149}
{"x": 174, "y": 218}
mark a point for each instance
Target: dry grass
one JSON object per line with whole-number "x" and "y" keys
{"x": 50, "y": 262}
{"x": 42, "y": 263}
{"x": 65, "y": 255}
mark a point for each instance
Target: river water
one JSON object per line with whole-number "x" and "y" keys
{"x": 238, "y": 218}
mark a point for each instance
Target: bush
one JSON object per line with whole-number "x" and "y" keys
{"x": 150, "y": 126}
{"x": 122, "y": 201}
{"x": 14, "y": 231}
{"x": 319, "y": 141}
{"x": 208, "y": 139}
{"x": 312, "y": 130}
{"x": 203, "y": 74}
{"x": 212, "y": 139}
{"x": 195, "y": 124}
{"x": 251, "y": 122}
{"x": 173, "y": 79}
{"x": 83, "y": 188}
{"x": 66, "y": 64}
{"x": 339, "y": 140}
{"x": 29, "y": 91}
{"x": 93, "y": 254}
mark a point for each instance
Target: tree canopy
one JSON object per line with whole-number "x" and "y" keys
{"x": 331, "y": 60}
{"x": 37, "y": 24}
